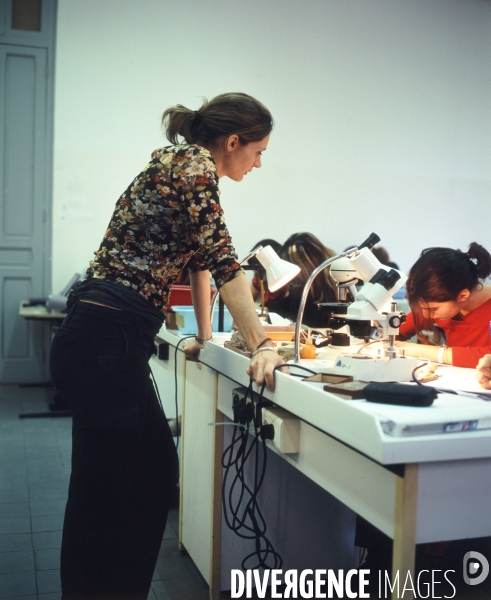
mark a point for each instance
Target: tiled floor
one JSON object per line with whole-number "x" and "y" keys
{"x": 34, "y": 473}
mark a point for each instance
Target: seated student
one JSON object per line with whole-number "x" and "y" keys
{"x": 383, "y": 256}
{"x": 446, "y": 293}
{"x": 308, "y": 252}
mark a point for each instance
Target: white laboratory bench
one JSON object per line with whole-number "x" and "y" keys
{"x": 415, "y": 489}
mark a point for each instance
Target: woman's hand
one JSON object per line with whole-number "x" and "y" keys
{"x": 261, "y": 368}
{"x": 237, "y": 297}
{"x": 483, "y": 372}
{"x": 191, "y": 348}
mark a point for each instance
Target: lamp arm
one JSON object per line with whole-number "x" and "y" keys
{"x": 215, "y": 295}
{"x": 305, "y": 293}
{"x": 213, "y": 304}
{"x": 250, "y": 255}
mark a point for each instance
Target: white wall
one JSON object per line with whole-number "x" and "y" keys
{"x": 382, "y": 110}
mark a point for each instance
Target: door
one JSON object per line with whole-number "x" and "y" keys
{"x": 27, "y": 43}
{"x": 23, "y": 210}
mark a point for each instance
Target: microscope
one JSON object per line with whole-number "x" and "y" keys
{"x": 371, "y": 315}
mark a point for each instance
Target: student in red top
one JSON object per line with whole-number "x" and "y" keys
{"x": 450, "y": 306}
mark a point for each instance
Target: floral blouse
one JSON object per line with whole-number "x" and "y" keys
{"x": 169, "y": 217}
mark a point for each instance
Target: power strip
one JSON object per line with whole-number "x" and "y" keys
{"x": 286, "y": 425}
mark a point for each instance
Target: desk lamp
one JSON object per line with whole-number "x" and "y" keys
{"x": 278, "y": 273}
{"x": 368, "y": 243}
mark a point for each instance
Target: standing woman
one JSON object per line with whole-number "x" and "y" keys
{"x": 124, "y": 462}
{"x": 450, "y": 306}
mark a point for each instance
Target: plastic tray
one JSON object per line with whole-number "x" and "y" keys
{"x": 186, "y": 320}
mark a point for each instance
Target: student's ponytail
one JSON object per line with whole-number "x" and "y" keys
{"x": 481, "y": 258}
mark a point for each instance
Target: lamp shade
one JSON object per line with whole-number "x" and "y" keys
{"x": 278, "y": 271}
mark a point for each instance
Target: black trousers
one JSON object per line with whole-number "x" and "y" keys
{"x": 124, "y": 462}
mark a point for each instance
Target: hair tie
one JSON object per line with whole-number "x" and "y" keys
{"x": 197, "y": 117}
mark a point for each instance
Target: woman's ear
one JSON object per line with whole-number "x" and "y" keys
{"x": 232, "y": 142}
{"x": 463, "y": 296}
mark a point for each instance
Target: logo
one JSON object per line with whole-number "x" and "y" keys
{"x": 475, "y": 564}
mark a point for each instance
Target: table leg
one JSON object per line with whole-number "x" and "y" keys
{"x": 181, "y": 464}
{"x": 403, "y": 557}
{"x": 216, "y": 516}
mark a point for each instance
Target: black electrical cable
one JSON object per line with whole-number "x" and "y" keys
{"x": 241, "y": 458}
{"x": 413, "y": 374}
{"x": 175, "y": 387}
{"x": 239, "y": 522}
{"x": 241, "y": 510}
{"x": 293, "y": 365}
{"x": 243, "y": 453}
{"x": 264, "y": 548}
{"x": 440, "y": 391}
{"x": 242, "y": 514}
{"x": 188, "y": 337}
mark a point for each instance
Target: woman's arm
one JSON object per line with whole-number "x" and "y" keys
{"x": 237, "y": 296}
{"x": 427, "y": 351}
{"x": 458, "y": 356}
{"x": 200, "y": 294}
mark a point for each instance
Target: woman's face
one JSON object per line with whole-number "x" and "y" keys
{"x": 240, "y": 159}
{"x": 446, "y": 310}
{"x": 441, "y": 310}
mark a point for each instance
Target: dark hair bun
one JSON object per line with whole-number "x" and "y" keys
{"x": 481, "y": 258}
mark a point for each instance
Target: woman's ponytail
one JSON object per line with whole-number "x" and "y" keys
{"x": 181, "y": 121}
{"x": 481, "y": 258}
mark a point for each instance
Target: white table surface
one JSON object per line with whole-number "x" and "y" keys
{"x": 358, "y": 423}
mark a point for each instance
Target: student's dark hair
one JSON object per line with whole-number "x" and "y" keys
{"x": 218, "y": 118}
{"x": 440, "y": 274}
{"x": 308, "y": 252}
{"x": 381, "y": 254}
